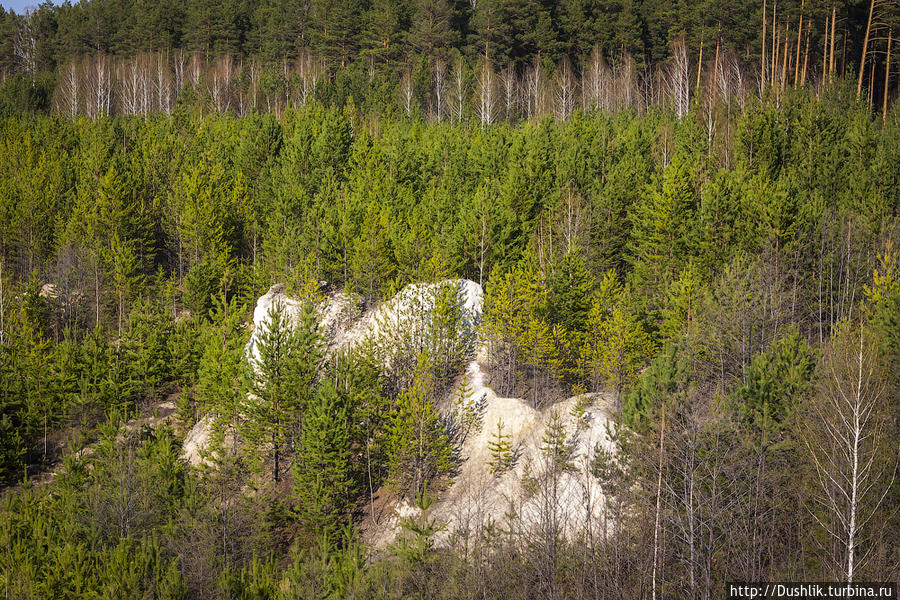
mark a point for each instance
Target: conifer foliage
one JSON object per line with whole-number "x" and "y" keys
{"x": 719, "y": 287}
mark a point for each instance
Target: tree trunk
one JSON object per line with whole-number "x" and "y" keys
{"x": 276, "y": 449}
{"x": 825, "y": 55}
{"x": 862, "y": 61}
{"x": 805, "y": 61}
{"x": 662, "y": 433}
{"x": 700, "y": 66}
{"x": 799, "y": 37}
{"x": 831, "y": 54}
{"x": 762, "y": 62}
{"x": 774, "y": 46}
{"x": 887, "y": 78}
{"x": 784, "y": 60}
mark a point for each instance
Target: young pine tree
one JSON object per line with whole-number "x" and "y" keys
{"x": 555, "y": 445}
{"x": 322, "y": 468}
{"x": 418, "y": 448}
{"x": 501, "y": 450}
{"x": 274, "y": 405}
{"x": 221, "y": 372}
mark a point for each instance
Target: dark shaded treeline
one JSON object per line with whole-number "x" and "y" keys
{"x": 391, "y": 34}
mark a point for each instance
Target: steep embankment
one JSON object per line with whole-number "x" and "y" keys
{"x": 475, "y": 496}
{"x": 518, "y": 497}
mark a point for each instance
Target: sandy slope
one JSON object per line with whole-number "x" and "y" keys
{"x": 476, "y": 497}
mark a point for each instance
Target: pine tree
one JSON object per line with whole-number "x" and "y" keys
{"x": 310, "y": 348}
{"x": 221, "y": 375}
{"x": 512, "y": 298}
{"x": 493, "y": 31}
{"x": 664, "y": 231}
{"x": 540, "y": 356}
{"x": 126, "y": 278}
{"x": 465, "y": 412}
{"x": 500, "y": 447}
{"x": 777, "y": 381}
{"x": 432, "y": 28}
{"x": 274, "y": 405}
{"x": 555, "y": 445}
{"x": 386, "y": 22}
{"x": 334, "y": 29}
{"x": 447, "y": 332}
{"x": 322, "y": 468}
{"x": 143, "y": 355}
{"x": 569, "y": 299}
{"x": 417, "y": 447}
{"x": 536, "y": 34}
{"x": 417, "y": 547}
{"x": 371, "y": 263}
{"x": 615, "y": 345}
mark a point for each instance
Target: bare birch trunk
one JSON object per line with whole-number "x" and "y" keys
{"x": 845, "y": 445}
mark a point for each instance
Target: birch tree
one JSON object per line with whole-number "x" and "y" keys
{"x": 25, "y": 43}
{"x": 510, "y": 88}
{"x": 565, "y": 90}
{"x": 486, "y": 94}
{"x": 850, "y": 449}
{"x": 440, "y": 88}
{"x": 68, "y": 90}
{"x": 457, "y": 91}
{"x": 677, "y": 78}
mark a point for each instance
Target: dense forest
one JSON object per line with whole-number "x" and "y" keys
{"x": 430, "y": 57}
{"x": 669, "y": 209}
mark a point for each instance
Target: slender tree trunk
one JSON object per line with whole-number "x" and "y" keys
{"x": 762, "y": 62}
{"x": 871, "y": 86}
{"x": 776, "y": 60}
{"x": 799, "y": 37}
{"x": 787, "y": 51}
{"x": 2, "y": 307}
{"x": 371, "y": 488}
{"x": 825, "y": 55}
{"x": 774, "y": 45}
{"x": 831, "y": 54}
{"x": 662, "y": 438}
{"x": 700, "y": 66}
{"x": 716, "y": 73}
{"x": 805, "y": 61}
{"x": 887, "y": 80}
{"x": 844, "y": 53}
{"x": 276, "y": 449}
{"x": 862, "y": 60}
{"x": 483, "y": 235}
{"x": 97, "y": 293}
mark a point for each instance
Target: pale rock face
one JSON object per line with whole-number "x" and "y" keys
{"x": 344, "y": 324}
{"x": 267, "y": 302}
{"x": 196, "y": 440}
